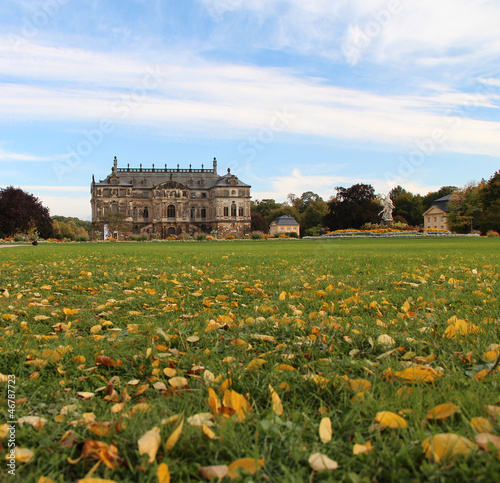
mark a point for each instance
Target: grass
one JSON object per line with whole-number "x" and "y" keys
{"x": 317, "y": 306}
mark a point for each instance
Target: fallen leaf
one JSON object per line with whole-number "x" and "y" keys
{"x": 445, "y": 446}
{"x": 36, "y": 421}
{"x": 488, "y": 441}
{"x": 362, "y": 448}
{"x": 388, "y": 419}
{"x": 200, "y": 419}
{"x": 320, "y": 462}
{"x": 178, "y": 381}
{"x": 325, "y": 430}
{"x": 442, "y": 412}
{"x": 418, "y": 374}
{"x": 174, "y": 436}
{"x": 248, "y": 464}
{"x": 22, "y": 455}
{"x": 481, "y": 424}
{"x": 277, "y": 405}
{"x": 149, "y": 443}
{"x": 163, "y": 473}
{"x": 209, "y": 472}
{"x": 208, "y": 432}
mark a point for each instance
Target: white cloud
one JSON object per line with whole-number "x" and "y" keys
{"x": 10, "y": 157}
{"x": 205, "y": 99}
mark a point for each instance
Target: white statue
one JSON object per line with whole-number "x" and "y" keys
{"x": 388, "y": 207}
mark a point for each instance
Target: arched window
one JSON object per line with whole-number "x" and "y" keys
{"x": 171, "y": 211}
{"x": 233, "y": 210}
{"x": 145, "y": 213}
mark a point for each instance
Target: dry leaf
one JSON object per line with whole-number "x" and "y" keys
{"x": 36, "y": 421}
{"x": 481, "y": 424}
{"x": 149, "y": 443}
{"x": 248, "y": 464}
{"x": 418, "y": 374}
{"x": 488, "y": 441}
{"x": 163, "y": 473}
{"x": 23, "y": 455}
{"x": 359, "y": 385}
{"x": 325, "y": 430}
{"x": 385, "y": 339}
{"x": 209, "y": 472}
{"x": 174, "y": 436}
{"x": 320, "y": 462}
{"x": 362, "y": 449}
{"x": 277, "y": 405}
{"x": 388, "y": 419}
{"x": 445, "y": 446}
{"x": 200, "y": 419}
{"x": 208, "y": 432}
{"x": 169, "y": 372}
{"x": 442, "y": 412}
{"x": 178, "y": 382}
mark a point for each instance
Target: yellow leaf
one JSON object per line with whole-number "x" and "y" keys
{"x": 418, "y": 374}
{"x": 284, "y": 367}
{"x": 442, "y": 412}
{"x": 200, "y": 419}
{"x": 43, "y": 479}
{"x": 359, "y": 385}
{"x": 36, "y": 421}
{"x": 445, "y": 446}
{"x": 388, "y": 419}
{"x": 174, "y": 436}
{"x": 95, "y": 480}
{"x": 78, "y": 360}
{"x": 169, "y": 372}
{"x": 149, "y": 443}
{"x": 385, "y": 339}
{"x": 116, "y": 408}
{"x": 325, "y": 430}
{"x": 282, "y": 296}
{"x": 4, "y": 430}
{"x": 41, "y": 317}
{"x": 255, "y": 364}
{"x": 70, "y": 311}
{"x": 85, "y": 395}
{"x": 22, "y": 455}
{"x": 193, "y": 338}
{"x": 481, "y": 424}
{"x": 213, "y": 401}
{"x": 226, "y": 384}
{"x": 208, "y": 432}
{"x": 277, "y": 405}
{"x": 9, "y": 317}
{"x": 362, "y": 448}
{"x": 178, "y": 381}
{"x": 320, "y": 462}
{"x": 95, "y": 328}
{"x": 248, "y": 464}
{"x": 163, "y": 473}
{"x": 237, "y": 403}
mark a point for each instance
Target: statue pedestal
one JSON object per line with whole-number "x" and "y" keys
{"x": 387, "y": 223}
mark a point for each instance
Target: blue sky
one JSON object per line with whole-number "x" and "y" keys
{"x": 291, "y": 95}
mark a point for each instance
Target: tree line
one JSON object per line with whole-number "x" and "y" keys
{"x": 475, "y": 206}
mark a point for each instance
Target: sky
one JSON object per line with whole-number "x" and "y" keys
{"x": 290, "y": 95}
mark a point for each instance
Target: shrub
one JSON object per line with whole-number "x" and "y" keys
{"x": 492, "y": 233}
{"x": 19, "y": 238}
{"x": 256, "y": 235}
{"x": 201, "y": 237}
{"x": 82, "y": 238}
{"x": 315, "y": 231}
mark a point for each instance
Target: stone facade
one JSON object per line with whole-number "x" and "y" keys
{"x": 437, "y": 215}
{"x": 171, "y": 201}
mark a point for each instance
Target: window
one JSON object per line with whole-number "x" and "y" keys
{"x": 435, "y": 220}
{"x": 233, "y": 210}
{"x": 233, "y": 192}
{"x": 171, "y": 211}
{"x": 428, "y": 219}
{"x": 226, "y": 192}
{"x": 134, "y": 213}
{"x": 226, "y": 211}
{"x": 203, "y": 195}
{"x": 145, "y": 213}
{"x": 240, "y": 211}
{"x": 145, "y": 194}
{"x": 203, "y": 213}
{"x": 193, "y": 213}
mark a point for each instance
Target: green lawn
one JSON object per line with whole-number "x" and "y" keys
{"x": 265, "y": 340}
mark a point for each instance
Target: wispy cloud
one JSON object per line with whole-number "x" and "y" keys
{"x": 10, "y": 157}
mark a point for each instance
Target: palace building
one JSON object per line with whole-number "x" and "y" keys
{"x": 170, "y": 202}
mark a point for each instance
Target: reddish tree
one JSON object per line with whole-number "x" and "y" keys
{"x": 22, "y": 212}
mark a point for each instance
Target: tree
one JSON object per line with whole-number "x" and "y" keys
{"x": 432, "y": 196}
{"x": 313, "y": 215}
{"x": 489, "y": 197}
{"x": 407, "y": 205}
{"x": 259, "y": 223}
{"x": 353, "y": 207}
{"x": 464, "y": 208}
{"x": 23, "y": 212}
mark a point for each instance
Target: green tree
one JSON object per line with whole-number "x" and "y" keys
{"x": 23, "y": 212}
{"x": 489, "y": 197}
{"x": 313, "y": 215}
{"x": 432, "y": 196}
{"x": 464, "y": 208}
{"x": 407, "y": 205}
{"x": 353, "y": 207}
